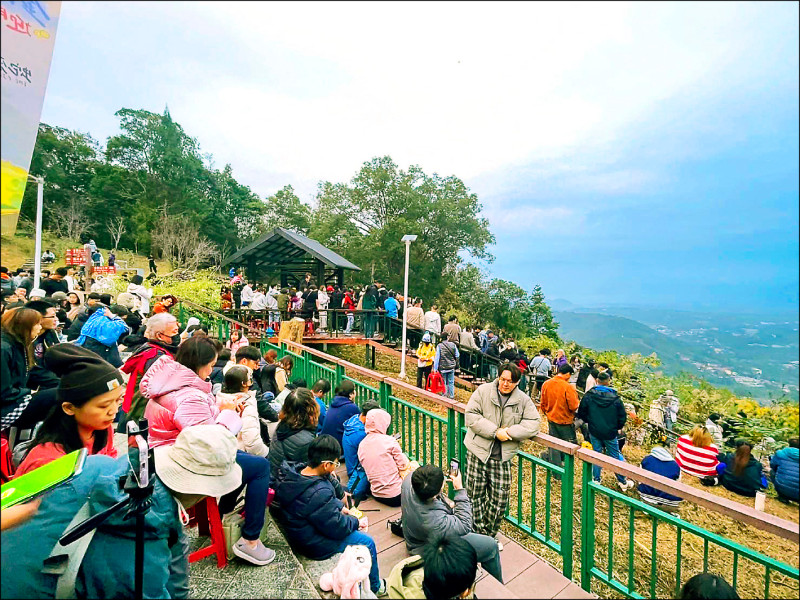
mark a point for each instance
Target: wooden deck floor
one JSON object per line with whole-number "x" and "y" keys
{"x": 525, "y": 574}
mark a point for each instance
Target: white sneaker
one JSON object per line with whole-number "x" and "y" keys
{"x": 627, "y": 486}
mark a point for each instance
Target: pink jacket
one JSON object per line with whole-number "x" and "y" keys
{"x": 178, "y": 399}
{"x": 234, "y": 346}
{"x": 381, "y": 455}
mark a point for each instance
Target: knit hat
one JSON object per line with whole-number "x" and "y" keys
{"x": 83, "y": 373}
{"x": 127, "y": 300}
{"x": 426, "y": 338}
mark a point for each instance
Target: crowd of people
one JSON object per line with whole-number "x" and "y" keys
{"x": 228, "y": 422}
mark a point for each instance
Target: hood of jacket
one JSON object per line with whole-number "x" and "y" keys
{"x": 284, "y": 432}
{"x": 353, "y": 426}
{"x": 340, "y": 401}
{"x": 604, "y": 396}
{"x": 167, "y": 375}
{"x": 661, "y": 454}
{"x": 291, "y": 483}
{"x": 377, "y": 421}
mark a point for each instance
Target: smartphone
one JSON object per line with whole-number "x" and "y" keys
{"x": 348, "y": 501}
{"x": 397, "y": 435}
{"x": 35, "y": 483}
{"x": 138, "y": 454}
{"x": 453, "y": 468}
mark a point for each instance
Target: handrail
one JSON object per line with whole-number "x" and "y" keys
{"x": 764, "y": 521}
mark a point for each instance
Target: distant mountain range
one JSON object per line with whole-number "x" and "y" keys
{"x": 750, "y": 355}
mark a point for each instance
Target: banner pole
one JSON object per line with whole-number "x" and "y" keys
{"x": 37, "y": 259}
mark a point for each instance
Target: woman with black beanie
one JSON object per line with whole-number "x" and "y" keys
{"x": 89, "y": 394}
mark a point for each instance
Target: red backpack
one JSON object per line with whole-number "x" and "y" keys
{"x": 436, "y": 383}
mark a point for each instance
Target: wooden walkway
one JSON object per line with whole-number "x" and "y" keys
{"x": 525, "y": 574}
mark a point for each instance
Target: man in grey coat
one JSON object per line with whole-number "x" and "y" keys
{"x": 498, "y": 417}
{"x": 427, "y": 515}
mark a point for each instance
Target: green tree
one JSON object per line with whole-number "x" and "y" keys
{"x": 284, "y": 209}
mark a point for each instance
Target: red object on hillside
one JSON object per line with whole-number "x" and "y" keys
{"x": 436, "y": 383}
{"x": 75, "y": 256}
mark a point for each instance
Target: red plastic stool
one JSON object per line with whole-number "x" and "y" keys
{"x": 205, "y": 515}
{"x": 6, "y": 466}
{"x": 309, "y": 328}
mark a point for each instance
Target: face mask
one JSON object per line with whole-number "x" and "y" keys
{"x": 176, "y": 339}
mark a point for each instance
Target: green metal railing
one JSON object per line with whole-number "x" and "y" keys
{"x": 545, "y": 490}
{"x": 627, "y": 586}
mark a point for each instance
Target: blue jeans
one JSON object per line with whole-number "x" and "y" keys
{"x": 255, "y": 475}
{"x": 350, "y": 319}
{"x": 611, "y": 448}
{"x": 449, "y": 383}
{"x": 358, "y": 538}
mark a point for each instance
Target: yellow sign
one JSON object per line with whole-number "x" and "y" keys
{"x": 28, "y": 36}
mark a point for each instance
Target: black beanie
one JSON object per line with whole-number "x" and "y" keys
{"x": 83, "y": 373}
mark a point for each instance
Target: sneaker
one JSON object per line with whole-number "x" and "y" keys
{"x": 382, "y": 590}
{"x": 259, "y": 555}
{"x": 499, "y": 543}
{"x": 627, "y": 486}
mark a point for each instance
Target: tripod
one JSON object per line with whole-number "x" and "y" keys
{"x": 139, "y": 488}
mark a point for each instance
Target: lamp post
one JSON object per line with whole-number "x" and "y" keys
{"x": 407, "y": 239}
{"x": 37, "y": 259}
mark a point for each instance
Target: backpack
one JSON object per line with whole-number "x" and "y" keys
{"x": 436, "y": 383}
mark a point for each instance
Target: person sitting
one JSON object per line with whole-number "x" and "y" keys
{"x": 283, "y": 371}
{"x": 249, "y": 356}
{"x": 19, "y": 405}
{"x": 321, "y": 389}
{"x": 235, "y": 341}
{"x": 48, "y": 257}
{"x": 354, "y": 433}
{"x": 660, "y": 461}
{"x": 180, "y": 397}
{"x": 785, "y": 471}
{"x": 447, "y": 568}
{"x": 236, "y": 389}
{"x": 696, "y": 455}
{"x": 342, "y": 408}
{"x": 107, "y": 571}
{"x": 307, "y": 503}
{"x": 165, "y": 304}
{"x": 382, "y": 458}
{"x": 426, "y": 514}
{"x": 707, "y": 586}
{"x": 217, "y": 377}
{"x": 296, "y": 429}
{"x": 743, "y": 474}
{"x": 714, "y": 428}
{"x": 90, "y": 392}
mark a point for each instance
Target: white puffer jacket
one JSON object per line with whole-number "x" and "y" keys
{"x": 249, "y": 438}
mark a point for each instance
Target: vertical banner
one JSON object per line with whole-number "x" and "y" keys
{"x": 28, "y": 35}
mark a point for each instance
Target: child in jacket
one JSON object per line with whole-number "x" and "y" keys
{"x": 382, "y": 458}
{"x": 236, "y": 389}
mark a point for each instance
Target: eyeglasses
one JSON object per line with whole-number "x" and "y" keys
{"x": 505, "y": 381}
{"x": 335, "y": 463}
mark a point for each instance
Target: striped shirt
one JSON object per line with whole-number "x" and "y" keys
{"x": 700, "y": 462}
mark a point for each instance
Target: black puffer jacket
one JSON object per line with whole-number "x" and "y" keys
{"x": 265, "y": 376}
{"x": 74, "y": 331}
{"x": 13, "y": 376}
{"x": 310, "y": 512}
{"x": 289, "y": 444}
{"x": 603, "y": 410}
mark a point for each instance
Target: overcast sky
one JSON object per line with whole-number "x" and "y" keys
{"x": 642, "y": 153}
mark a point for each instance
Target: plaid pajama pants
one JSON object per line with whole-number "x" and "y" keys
{"x": 488, "y": 488}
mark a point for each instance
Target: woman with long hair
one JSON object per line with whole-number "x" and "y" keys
{"x": 90, "y": 392}
{"x": 283, "y": 372}
{"x": 696, "y": 454}
{"x": 296, "y": 430}
{"x": 370, "y": 304}
{"x": 18, "y": 405}
{"x": 165, "y": 304}
{"x": 236, "y": 340}
{"x": 180, "y": 397}
{"x": 743, "y": 474}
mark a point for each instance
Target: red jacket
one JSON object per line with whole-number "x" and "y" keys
{"x": 44, "y": 453}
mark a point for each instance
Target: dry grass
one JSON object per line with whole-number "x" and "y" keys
{"x": 750, "y": 580}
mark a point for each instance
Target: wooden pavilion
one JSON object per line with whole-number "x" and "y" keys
{"x": 289, "y": 256}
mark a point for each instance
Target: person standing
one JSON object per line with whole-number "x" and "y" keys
{"x": 112, "y": 259}
{"x": 446, "y": 361}
{"x": 452, "y": 330}
{"x": 56, "y": 282}
{"x": 426, "y": 352}
{"x": 559, "y": 403}
{"x": 151, "y": 262}
{"x": 498, "y": 417}
{"x": 605, "y": 414}
{"x": 370, "y": 305}
{"x": 671, "y": 405}
{"x": 433, "y": 322}
{"x": 541, "y": 369}
{"x": 349, "y": 306}
{"x": 415, "y": 316}
{"x": 247, "y": 295}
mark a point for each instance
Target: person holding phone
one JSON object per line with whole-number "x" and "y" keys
{"x": 427, "y": 515}
{"x": 90, "y": 392}
{"x": 180, "y": 397}
{"x": 498, "y": 417}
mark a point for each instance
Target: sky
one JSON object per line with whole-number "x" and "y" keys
{"x": 624, "y": 153}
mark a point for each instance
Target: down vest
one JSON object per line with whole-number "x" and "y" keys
{"x": 311, "y": 512}
{"x": 178, "y": 399}
{"x": 289, "y": 444}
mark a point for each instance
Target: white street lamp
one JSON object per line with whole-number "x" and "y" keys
{"x": 407, "y": 239}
